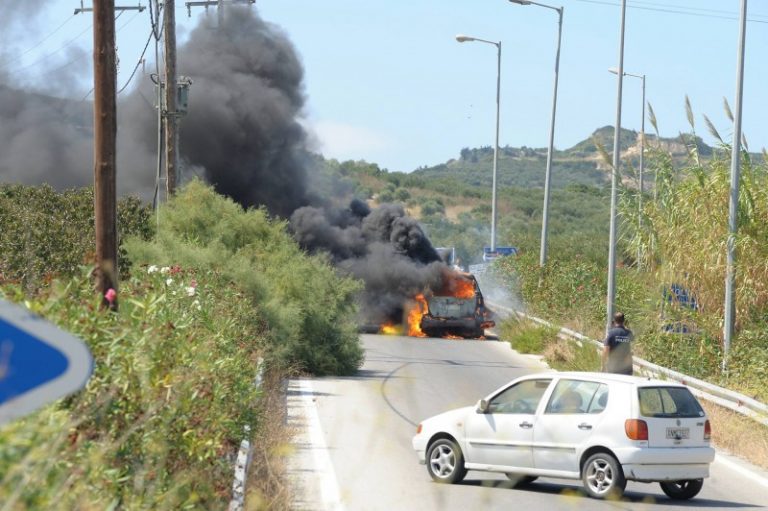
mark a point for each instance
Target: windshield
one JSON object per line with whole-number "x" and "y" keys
{"x": 668, "y": 402}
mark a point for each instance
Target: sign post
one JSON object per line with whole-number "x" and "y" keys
{"x": 39, "y": 362}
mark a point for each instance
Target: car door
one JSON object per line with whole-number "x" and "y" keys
{"x": 573, "y": 411}
{"x": 502, "y": 437}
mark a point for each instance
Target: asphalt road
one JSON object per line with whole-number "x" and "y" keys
{"x": 353, "y": 445}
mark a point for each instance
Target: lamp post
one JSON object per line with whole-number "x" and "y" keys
{"x": 548, "y": 172}
{"x": 642, "y": 151}
{"x": 611, "y": 292}
{"x": 463, "y": 38}
{"x": 733, "y": 208}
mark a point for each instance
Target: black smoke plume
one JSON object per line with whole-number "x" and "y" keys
{"x": 241, "y": 134}
{"x": 385, "y": 248}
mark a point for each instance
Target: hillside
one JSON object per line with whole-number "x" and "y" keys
{"x": 523, "y": 167}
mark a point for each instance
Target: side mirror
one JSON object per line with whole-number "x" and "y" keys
{"x": 482, "y": 406}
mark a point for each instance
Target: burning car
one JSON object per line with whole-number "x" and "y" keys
{"x": 456, "y": 310}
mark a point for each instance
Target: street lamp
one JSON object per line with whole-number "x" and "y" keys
{"x": 462, "y": 39}
{"x": 733, "y": 208}
{"x": 548, "y": 172}
{"x": 642, "y": 150}
{"x": 611, "y": 294}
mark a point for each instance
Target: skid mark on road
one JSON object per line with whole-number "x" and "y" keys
{"x": 383, "y": 391}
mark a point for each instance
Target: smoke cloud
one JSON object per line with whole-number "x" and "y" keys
{"x": 385, "y": 248}
{"x": 243, "y": 129}
{"x": 241, "y": 134}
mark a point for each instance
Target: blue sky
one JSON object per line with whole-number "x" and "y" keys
{"x": 387, "y": 82}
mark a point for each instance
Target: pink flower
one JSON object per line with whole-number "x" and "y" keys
{"x": 110, "y": 295}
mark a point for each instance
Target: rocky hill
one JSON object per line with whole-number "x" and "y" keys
{"x": 523, "y": 167}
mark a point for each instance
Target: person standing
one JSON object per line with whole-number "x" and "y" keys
{"x": 617, "y": 347}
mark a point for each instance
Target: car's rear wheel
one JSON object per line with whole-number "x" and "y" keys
{"x": 682, "y": 490}
{"x": 520, "y": 479}
{"x": 445, "y": 462}
{"x": 603, "y": 477}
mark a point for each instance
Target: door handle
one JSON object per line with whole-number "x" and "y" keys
{"x": 584, "y": 425}
{"x": 526, "y": 425}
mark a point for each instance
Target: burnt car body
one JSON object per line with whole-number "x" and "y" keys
{"x": 452, "y": 315}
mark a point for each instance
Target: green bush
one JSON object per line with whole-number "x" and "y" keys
{"x": 310, "y": 309}
{"x": 44, "y": 233}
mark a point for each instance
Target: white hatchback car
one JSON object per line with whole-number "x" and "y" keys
{"x": 601, "y": 428}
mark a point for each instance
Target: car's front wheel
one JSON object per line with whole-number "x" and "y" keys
{"x": 603, "y": 477}
{"x": 682, "y": 490}
{"x": 445, "y": 462}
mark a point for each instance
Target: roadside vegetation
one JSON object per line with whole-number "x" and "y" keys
{"x": 205, "y": 295}
{"x": 670, "y": 281}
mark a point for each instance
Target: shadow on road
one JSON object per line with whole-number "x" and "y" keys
{"x": 629, "y": 496}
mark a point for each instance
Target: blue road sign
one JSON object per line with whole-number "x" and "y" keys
{"x": 489, "y": 255}
{"x": 39, "y": 362}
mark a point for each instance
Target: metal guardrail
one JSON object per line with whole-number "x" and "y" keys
{"x": 734, "y": 401}
{"x": 244, "y": 455}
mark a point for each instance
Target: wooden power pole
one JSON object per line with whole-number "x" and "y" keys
{"x": 104, "y": 145}
{"x": 171, "y": 115}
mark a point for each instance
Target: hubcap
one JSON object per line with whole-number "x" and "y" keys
{"x": 442, "y": 461}
{"x": 600, "y": 476}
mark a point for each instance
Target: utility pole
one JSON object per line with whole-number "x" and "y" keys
{"x": 171, "y": 117}
{"x": 219, "y": 6}
{"x": 104, "y": 145}
{"x": 83, "y": 8}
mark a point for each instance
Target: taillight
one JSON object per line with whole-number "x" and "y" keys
{"x": 418, "y": 428}
{"x": 707, "y": 430}
{"x": 636, "y": 429}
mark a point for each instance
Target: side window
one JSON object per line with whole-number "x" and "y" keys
{"x": 599, "y": 400}
{"x": 575, "y": 396}
{"x": 521, "y": 398}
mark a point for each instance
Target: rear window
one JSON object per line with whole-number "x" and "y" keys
{"x": 668, "y": 402}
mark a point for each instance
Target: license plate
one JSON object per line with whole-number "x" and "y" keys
{"x": 678, "y": 433}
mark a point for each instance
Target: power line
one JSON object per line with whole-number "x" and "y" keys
{"x": 41, "y": 41}
{"x": 154, "y": 19}
{"x": 688, "y": 11}
{"x": 69, "y": 43}
{"x": 702, "y": 9}
{"x": 141, "y": 59}
{"x": 64, "y": 46}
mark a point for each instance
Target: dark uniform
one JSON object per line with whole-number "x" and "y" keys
{"x": 618, "y": 341}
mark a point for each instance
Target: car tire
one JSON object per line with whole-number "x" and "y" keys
{"x": 520, "y": 479}
{"x": 445, "y": 462}
{"x": 682, "y": 490}
{"x": 603, "y": 477}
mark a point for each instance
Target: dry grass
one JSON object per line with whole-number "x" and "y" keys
{"x": 453, "y": 212}
{"x": 738, "y": 435}
{"x": 267, "y": 480}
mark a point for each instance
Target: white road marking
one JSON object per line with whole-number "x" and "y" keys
{"x": 719, "y": 458}
{"x": 326, "y": 475}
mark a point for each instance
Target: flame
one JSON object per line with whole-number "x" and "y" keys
{"x": 418, "y": 309}
{"x": 453, "y": 337}
{"x": 391, "y": 329}
{"x": 457, "y": 284}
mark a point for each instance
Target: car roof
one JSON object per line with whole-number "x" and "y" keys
{"x": 640, "y": 381}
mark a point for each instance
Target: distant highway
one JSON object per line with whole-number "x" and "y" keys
{"x": 353, "y": 449}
